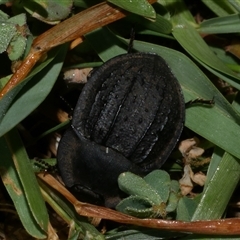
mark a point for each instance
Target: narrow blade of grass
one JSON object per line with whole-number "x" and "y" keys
{"x": 20, "y": 182}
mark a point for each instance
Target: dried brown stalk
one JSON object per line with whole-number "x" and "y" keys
{"x": 228, "y": 226}
{"x": 68, "y": 30}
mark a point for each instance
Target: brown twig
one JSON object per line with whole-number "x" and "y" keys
{"x": 68, "y": 30}
{"x": 228, "y": 226}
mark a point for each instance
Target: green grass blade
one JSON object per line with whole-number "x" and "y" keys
{"x": 20, "y": 182}
{"x": 161, "y": 24}
{"x": 219, "y": 189}
{"x": 222, "y": 178}
{"x": 140, "y": 7}
{"x": 220, "y": 8}
{"x": 229, "y": 79}
{"x": 79, "y": 224}
{"x": 8, "y": 99}
{"x": 179, "y": 10}
{"x": 106, "y": 37}
{"x": 192, "y": 42}
{"x": 235, "y": 4}
{"x": 26, "y": 96}
{"x": 226, "y": 24}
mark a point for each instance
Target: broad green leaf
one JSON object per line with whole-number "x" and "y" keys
{"x": 17, "y": 46}
{"x": 50, "y": 12}
{"x": 140, "y": 7}
{"x": 136, "y": 206}
{"x": 172, "y": 202}
{"x": 7, "y": 31}
{"x": 174, "y": 187}
{"x": 226, "y": 24}
{"x": 149, "y": 195}
{"x": 13, "y": 32}
{"x": 20, "y": 182}
{"x": 26, "y": 96}
{"x": 137, "y": 186}
{"x": 174, "y": 196}
{"x": 20, "y": 19}
{"x": 160, "y": 181}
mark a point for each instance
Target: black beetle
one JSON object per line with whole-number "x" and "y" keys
{"x": 129, "y": 117}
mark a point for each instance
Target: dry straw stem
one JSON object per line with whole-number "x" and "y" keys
{"x": 68, "y": 30}
{"x": 228, "y": 226}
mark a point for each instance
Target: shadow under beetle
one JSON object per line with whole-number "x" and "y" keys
{"x": 129, "y": 117}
